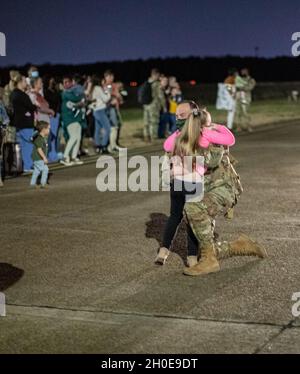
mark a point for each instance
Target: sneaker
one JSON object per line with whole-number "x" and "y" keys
{"x": 66, "y": 162}
{"x": 105, "y": 151}
{"x": 162, "y": 256}
{"x": 112, "y": 150}
{"x": 44, "y": 187}
{"x": 76, "y": 161}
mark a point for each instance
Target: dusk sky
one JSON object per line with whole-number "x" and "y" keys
{"x": 78, "y": 31}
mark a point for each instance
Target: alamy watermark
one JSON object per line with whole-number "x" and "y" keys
{"x": 2, "y": 44}
{"x": 296, "y": 305}
{"x": 139, "y": 173}
{"x": 296, "y": 46}
{"x": 2, "y": 305}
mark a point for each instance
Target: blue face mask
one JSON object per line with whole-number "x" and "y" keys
{"x": 34, "y": 74}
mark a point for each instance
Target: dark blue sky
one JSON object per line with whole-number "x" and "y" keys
{"x": 78, "y": 31}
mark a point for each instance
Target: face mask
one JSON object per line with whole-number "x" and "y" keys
{"x": 34, "y": 74}
{"x": 180, "y": 123}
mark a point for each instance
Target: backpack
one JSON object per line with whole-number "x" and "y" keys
{"x": 145, "y": 93}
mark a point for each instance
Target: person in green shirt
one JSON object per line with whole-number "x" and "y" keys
{"x": 39, "y": 154}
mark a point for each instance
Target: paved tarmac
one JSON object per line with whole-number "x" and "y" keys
{"x": 76, "y": 264}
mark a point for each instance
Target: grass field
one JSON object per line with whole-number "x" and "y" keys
{"x": 262, "y": 113}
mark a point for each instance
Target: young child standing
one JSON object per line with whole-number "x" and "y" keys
{"x": 39, "y": 154}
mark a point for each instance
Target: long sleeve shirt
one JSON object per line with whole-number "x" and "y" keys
{"x": 220, "y": 135}
{"x": 100, "y": 98}
{"x": 23, "y": 110}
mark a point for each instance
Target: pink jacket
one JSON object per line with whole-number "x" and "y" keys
{"x": 219, "y": 135}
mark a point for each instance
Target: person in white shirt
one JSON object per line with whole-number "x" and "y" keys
{"x": 100, "y": 98}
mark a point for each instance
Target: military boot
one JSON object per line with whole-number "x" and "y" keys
{"x": 243, "y": 246}
{"x": 207, "y": 264}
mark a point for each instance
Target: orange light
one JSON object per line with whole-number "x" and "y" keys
{"x": 193, "y": 82}
{"x": 133, "y": 84}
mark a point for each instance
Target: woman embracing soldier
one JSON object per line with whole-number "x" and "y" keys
{"x": 198, "y": 136}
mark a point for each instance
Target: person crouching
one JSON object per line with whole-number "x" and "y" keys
{"x": 39, "y": 154}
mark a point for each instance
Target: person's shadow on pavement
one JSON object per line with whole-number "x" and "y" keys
{"x": 155, "y": 230}
{"x": 9, "y": 275}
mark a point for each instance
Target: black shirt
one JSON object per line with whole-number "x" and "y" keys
{"x": 23, "y": 110}
{"x": 54, "y": 99}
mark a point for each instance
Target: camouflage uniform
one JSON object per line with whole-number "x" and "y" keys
{"x": 152, "y": 111}
{"x": 222, "y": 189}
{"x": 8, "y": 89}
{"x": 244, "y": 86}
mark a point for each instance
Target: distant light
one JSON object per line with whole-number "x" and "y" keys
{"x": 133, "y": 84}
{"x": 193, "y": 82}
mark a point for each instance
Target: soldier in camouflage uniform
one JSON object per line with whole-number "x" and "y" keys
{"x": 152, "y": 110}
{"x": 8, "y": 89}
{"x": 244, "y": 86}
{"x": 222, "y": 189}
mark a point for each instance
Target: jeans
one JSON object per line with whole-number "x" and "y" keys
{"x": 163, "y": 122}
{"x": 38, "y": 168}
{"x": 102, "y": 128}
{"x": 53, "y": 138}
{"x": 73, "y": 144}
{"x": 113, "y": 116}
{"x": 178, "y": 199}
{"x": 23, "y": 138}
{"x": 172, "y": 123}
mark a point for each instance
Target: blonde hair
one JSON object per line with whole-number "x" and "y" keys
{"x": 187, "y": 143}
{"x": 17, "y": 78}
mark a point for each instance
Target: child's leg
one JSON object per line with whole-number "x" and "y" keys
{"x": 193, "y": 245}
{"x": 176, "y": 214}
{"x": 36, "y": 172}
{"x": 177, "y": 205}
{"x": 45, "y": 172}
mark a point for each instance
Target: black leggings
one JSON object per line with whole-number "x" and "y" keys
{"x": 178, "y": 199}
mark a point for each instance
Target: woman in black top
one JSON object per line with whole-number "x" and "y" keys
{"x": 23, "y": 119}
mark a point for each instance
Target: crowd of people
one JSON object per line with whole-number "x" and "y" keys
{"x": 85, "y": 110}
{"x": 78, "y": 109}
